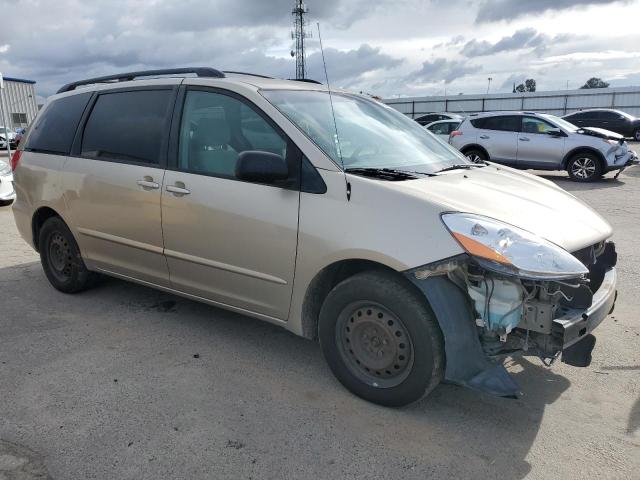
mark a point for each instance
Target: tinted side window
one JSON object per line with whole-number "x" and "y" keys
{"x": 128, "y": 126}
{"x": 216, "y": 128}
{"x": 56, "y": 127}
{"x": 440, "y": 128}
{"x": 505, "y": 123}
{"x": 608, "y": 116}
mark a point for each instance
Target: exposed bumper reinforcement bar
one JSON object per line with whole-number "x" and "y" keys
{"x": 573, "y": 325}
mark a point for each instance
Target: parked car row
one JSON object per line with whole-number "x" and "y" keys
{"x": 7, "y": 192}
{"x": 541, "y": 141}
{"x": 5, "y": 134}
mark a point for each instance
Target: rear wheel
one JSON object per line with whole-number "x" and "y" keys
{"x": 61, "y": 260}
{"x": 584, "y": 167}
{"x": 381, "y": 339}
{"x": 636, "y": 135}
{"x": 476, "y": 156}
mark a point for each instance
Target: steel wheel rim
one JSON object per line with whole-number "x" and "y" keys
{"x": 374, "y": 344}
{"x": 583, "y": 167}
{"x": 59, "y": 257}
{"x": 474, "y": 158}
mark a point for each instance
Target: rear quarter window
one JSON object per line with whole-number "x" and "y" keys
{"x": 128, "y": 126}
{"x": 55, "y": 128}
{"x": 504, "y": 123}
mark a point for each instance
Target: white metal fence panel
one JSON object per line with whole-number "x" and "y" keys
{"x": 503, "y": 104}
{"x": 556, "y": 102}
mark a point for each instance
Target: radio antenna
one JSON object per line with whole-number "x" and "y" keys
{"x": 333, "y": 114}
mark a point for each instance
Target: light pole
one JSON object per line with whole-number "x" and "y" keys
{"x": 489, "y": 84}
{"x": 4, "y": 119}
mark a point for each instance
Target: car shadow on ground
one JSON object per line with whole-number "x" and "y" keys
{"x": 570, "y": 185}
{"x": 485, "y": 433}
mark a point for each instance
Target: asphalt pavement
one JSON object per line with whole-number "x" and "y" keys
{"x": 125, "y": 382}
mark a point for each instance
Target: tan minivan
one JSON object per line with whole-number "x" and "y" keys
{"x": 327, "y": 213}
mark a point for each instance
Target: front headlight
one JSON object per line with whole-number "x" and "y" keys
{"x": 510, "y": 250}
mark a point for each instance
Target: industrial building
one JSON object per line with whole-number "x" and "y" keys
{"x": 559, "y": 102}
{"x": 19, "y": 102}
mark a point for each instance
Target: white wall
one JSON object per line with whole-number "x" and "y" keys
{"x": 18, "y": 97}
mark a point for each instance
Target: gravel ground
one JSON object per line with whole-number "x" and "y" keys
{"x": 125, "y": 382}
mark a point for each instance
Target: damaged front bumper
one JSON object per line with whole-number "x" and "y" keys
{"x": 620, "y": 165}
{"x": 473, "y": 352}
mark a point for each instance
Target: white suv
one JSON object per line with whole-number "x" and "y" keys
{"x": 544, "y": 142}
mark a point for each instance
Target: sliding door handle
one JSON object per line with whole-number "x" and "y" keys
{"x": 148, "y": 184}
{"x": 178, "y": 190}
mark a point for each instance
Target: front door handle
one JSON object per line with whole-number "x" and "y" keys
{"x": 484, "y": 137}
{"x": 524, "y": 139}
{"x": 148, "y": 184}
{"x": 178, "y": 189}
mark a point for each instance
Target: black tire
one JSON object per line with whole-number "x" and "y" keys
{"x": 584, "y": 167}
{"x": 636, "y": 135}
{"x": 476, "y": 156}
{"x": 61, "y": 259}
{"x": 363, "y": 312}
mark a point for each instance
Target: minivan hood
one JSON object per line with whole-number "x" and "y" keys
{"x": 517, "y": 198}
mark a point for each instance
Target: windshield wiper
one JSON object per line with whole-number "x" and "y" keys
{"x": 460, "y": 166}
{"x": 390, "y": 173}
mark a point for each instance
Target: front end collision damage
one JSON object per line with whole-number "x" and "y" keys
{"x": 485, "y": 316}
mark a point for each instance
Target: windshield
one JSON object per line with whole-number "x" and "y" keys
{"x": 561, "y": 123}
{"x": 369, "y": 134}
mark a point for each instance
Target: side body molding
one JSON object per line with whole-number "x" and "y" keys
{"x": 467, "y": 364}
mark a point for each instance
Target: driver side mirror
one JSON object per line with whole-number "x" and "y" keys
{"x": 555, "y": 132}
{"x": 261, "y": 167}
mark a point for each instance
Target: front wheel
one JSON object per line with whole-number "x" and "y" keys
{"x": 381, "y": 339}
{"x": 584, "y": 167}
{"x": 476, "y": 156}
{"x": 636, "y": 135}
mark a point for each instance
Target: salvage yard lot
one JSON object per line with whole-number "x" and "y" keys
{"x": 127, "y": 382}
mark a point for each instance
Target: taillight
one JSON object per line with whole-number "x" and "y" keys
{"x": 15, "y": 159}
{"x": 455, "y": 133}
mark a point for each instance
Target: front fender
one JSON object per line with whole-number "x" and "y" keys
{"x": 466, "y": 362}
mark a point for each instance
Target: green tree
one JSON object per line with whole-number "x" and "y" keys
{"x": 529, "y": 85}
{"x": 595, "y": 82}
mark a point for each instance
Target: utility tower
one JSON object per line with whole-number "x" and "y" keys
{"x": 299, "y": 35}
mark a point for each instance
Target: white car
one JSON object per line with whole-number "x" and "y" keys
{"x": 7, "y": 193}
{"x": 443, "y": 128}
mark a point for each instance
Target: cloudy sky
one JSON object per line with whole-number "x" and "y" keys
{"x": 384, "y": 47}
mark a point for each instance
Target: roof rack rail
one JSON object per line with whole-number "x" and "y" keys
{"x": 124, "y": 77}
{"x": 246, "y": 73}
{"x": 308, "y": 80}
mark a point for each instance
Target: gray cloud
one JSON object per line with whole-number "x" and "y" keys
{"x": 442, "y": 69}
{"x": 201, "y": 15}
{"x": 102, "y": 37}
{"x": 496, "y": 10}
{"x": 521, "y": 39}
{"x": 527, "y": 37}
{"x": 348, "y": 66}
